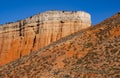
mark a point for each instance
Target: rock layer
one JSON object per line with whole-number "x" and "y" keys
{"x": 25, "y": 36}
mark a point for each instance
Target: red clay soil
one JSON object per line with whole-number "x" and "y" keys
{"x": 90, "y": 53}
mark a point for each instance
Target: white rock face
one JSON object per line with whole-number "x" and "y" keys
{"x": 60, "y": 16}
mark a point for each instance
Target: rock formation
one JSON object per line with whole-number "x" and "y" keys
{"x": 28, "y": 35}
{"x": 90, "y": 53}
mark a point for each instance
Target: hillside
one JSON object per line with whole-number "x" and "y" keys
{"x": 90, "y": 53}
{"x": 20, "y": 38}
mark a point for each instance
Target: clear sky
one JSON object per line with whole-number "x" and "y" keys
{"x": 12, "y": 10}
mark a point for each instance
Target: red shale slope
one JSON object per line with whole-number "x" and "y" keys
{"x": 89, "y": 53}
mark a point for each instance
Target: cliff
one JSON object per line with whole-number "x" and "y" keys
{"x": 28, "y": 35}
{"x": 90, "y": 53}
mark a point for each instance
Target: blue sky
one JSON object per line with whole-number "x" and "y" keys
{"x": 12, "y": 10}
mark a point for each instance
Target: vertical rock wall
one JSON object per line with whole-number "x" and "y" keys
{"x": 20, "y": 38}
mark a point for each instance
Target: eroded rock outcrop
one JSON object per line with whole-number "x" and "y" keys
{"x": 90, "y": 53}
{"x": 22, "y": 37}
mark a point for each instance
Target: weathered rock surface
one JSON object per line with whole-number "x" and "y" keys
{"x": 22, "y": 37}
{"x": 90, "y": 53}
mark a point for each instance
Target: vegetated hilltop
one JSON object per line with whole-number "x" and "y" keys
{"x": 90, "y": 53}
{"x": 25, "y": 36}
